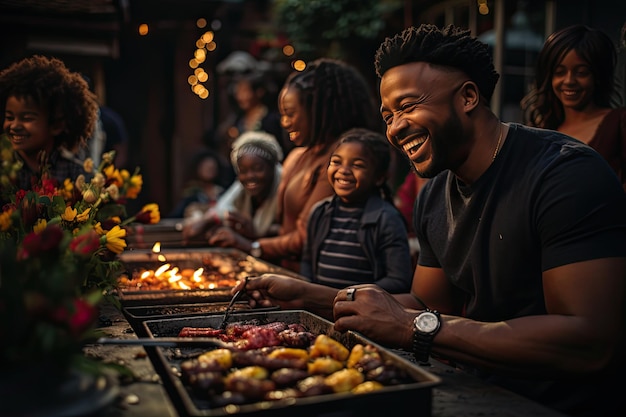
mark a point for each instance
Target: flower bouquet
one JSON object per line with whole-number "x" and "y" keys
{"x": 58, "y": 247}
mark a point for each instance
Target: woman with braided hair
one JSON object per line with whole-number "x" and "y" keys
{"x": 317, "y": 105}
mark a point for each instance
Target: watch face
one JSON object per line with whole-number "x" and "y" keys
{"x": 426, "y": 322}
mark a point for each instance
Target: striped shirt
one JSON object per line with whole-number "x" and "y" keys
{"x": 342, "y": 261}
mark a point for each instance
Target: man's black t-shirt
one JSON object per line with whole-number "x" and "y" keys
{"x": 546, "y": 201}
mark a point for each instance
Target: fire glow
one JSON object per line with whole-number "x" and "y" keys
{"x": 213, "y": 272}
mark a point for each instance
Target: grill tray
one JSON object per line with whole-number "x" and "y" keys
{"x": 410, "y": 399}
{"x": 136, "y": 260}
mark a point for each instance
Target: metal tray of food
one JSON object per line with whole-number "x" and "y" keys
{"x": 137, "y": 315}
{"x": 412, "y": 397}
{"x": 221, "y": 269}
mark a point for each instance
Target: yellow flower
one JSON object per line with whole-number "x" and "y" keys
{"x": 69, "y": 215}
{"x": 134, "y": 186}
{"x": 98, "y": 228}
{"x": 68, "y": 189}
{"x": 114, "y": 175}
{"x": 116, "y": 219}
{"x": 5, "y": 220}
{"x": 114, "y": 239}
{"x": 84, "y": 216}
{"x": 88, "y": 165}
{"x": 40, "y": 225}
{"x": 149, "y": 214}
{"x": 155, "y": 214}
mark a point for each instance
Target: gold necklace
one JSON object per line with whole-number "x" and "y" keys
{"x": 495, "y": 153}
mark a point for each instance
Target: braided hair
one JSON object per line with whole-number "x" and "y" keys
{"x": 541, "y": 106}
{"x": 449, "y": 47}
{"x": 51, "y": 85}
{"x": 336, "y": 98}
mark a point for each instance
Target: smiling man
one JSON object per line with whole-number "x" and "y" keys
{"x": 522, "y": 237}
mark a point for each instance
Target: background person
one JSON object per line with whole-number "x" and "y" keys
{"x": 203, "y": 187}
{"x": 572, "y": 92}
{"x": 45, "y": 108}
{"x": 254, "y": 102}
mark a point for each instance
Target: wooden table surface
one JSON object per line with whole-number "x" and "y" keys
{"x": 459, "y": 395}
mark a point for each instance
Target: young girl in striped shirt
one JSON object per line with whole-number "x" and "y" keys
{"x": 358, "y": 236}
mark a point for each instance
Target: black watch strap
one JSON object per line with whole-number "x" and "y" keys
{"x": 422, "y": 345}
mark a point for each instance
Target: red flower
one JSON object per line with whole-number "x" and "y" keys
{"x": 86, "y": 244}
{"x": 48, "y": 187}
{"x": 35, "y": 244}
{"x": 82, "y": 316}
{"x": 19, "y": 196}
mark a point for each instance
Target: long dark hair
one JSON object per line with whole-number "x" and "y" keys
{"x": 541, "y": 107}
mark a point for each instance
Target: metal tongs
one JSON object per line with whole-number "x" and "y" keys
{"x": 229, "y": 308}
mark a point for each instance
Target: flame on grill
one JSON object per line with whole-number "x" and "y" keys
{"x": 220, "y": 272}
{"x": 174, "y": 278}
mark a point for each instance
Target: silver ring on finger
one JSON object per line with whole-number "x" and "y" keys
{"x": 350, "y": 294}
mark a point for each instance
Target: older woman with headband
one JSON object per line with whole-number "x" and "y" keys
{"x": 249, "y": 205}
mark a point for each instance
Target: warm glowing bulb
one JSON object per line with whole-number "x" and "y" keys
{"x": 156, "y": 248}
{"x": 299, "y": 65}
{"x": 288, "y": 50}
{"x": 201, "y": 23}
{"x": 143, "y": 29}
{"x": 207, "y": 37}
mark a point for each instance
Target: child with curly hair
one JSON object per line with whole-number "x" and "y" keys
{"x": 47, "y": 112}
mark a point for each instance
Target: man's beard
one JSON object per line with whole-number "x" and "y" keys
{"x": 449, "y": 139}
